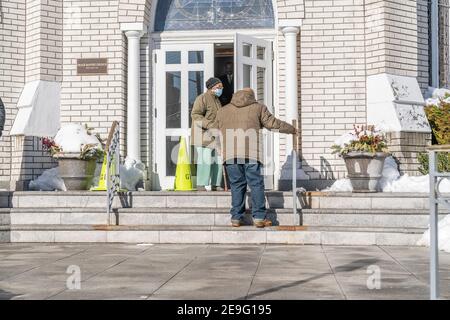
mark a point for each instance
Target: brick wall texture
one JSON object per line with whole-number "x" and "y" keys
{"x": 12, "y": 74}
{"x": 341, "y": 42}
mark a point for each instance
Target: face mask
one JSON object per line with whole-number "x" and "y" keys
{"x": 218, "y": 92}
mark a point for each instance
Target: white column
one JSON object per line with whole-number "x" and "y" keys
{"x": 133, "y": 32}
{"x": 291, "y": 80}
{"x": 290, "y": 30}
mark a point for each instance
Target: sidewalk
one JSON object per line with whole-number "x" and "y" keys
{"x": 39, "y": 271}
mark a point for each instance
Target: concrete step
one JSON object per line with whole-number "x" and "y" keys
{"x": 5, "y": 234}
{"x": 215, "y": 234}
{"x": 5, "y": 217}
{"x": 162, "y": 199}
{"x": 413, "y": 218}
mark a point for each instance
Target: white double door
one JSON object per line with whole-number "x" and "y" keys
{"x": 181, "y": 71}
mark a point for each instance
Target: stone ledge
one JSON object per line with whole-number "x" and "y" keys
{"x": 216, "y": 236}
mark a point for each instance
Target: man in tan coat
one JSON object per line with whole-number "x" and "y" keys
{"x": 204, "y": 111}
{"x": 241, "y": 123}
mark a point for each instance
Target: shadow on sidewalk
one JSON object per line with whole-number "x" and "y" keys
{"x": 352, "y": 266}
{"x": 6, "y": 295}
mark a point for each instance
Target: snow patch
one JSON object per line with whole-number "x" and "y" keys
{"x": 71, "y": 138}
{"x": 49, "y": 180}
{"x": 345, "y": 139}
{"x": 131, "y": 172}
{"x": 341, "y": 185}
{"x": 420, "y": 184}
{"x": 436, "y": 93}
{"x": 434, "y": 96}
{"x": 443, "y": 235}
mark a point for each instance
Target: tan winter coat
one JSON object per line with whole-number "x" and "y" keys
{"x": 241, "y": 123}
{"x": 203, "y": 115}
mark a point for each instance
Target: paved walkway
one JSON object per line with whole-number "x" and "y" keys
{"x": 39, "y": 271}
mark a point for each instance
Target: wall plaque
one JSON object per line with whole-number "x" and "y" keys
{"x": 92, "y": 66}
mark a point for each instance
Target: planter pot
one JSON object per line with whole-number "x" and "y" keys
{"x": 76, "y": 173}
{"x": 365, "y": 169}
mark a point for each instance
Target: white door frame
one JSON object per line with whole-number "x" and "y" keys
{"x": 184, "y": 67}
{"x": 211, "y": 37}
{"x": 256, "y": 63}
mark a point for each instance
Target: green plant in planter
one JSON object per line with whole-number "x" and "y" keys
{"x": 367, "y": 139}
{"x": 439, "y": 118}
{"x": 77, "y": 169}
{"x": 87, "y": 152}
{"x": 91, "y": 152}
{"x": 364, "y": 152}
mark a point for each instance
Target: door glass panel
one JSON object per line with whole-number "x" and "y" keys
{"x": 247, "y": 76}
{"x": 195, "y": 57}
{"x": 173, "y": 100}
{"x": 260, "y": 52}
{"x": 172, "y": 146}
{"x": 195, "y": 89}
{"x": 260, "y": 81}
{"x": 247, "y": 50}
{"x": 173, "y": 57}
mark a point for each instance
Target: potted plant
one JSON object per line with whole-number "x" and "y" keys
{"x": 76, "y": 168}
{"x": 364, "y": 154}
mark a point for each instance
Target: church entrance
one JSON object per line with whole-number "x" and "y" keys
{"x": 182, "y": 63}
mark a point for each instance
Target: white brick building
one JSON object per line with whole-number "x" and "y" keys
{"x": 324, "y": 52}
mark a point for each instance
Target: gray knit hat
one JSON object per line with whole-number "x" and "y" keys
{"x": 212, "y": 82}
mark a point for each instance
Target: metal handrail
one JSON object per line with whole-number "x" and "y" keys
{"x": 296, "y": 219}
{"x": 436, "y": 199}
{"x": 112, "y": 167}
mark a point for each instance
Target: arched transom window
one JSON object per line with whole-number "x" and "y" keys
{"x": 213, "y": 14}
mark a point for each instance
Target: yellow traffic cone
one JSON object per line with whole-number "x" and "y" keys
{"x": 102, "y": 181}
{"x": 183, "y": 181}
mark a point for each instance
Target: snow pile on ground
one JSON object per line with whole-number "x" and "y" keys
{"x": 341, "y": 185}
{"x": 390, "y": 173}
{"x": 419, "y": 184}
{"x": 443, "y": 234}
{"x": 49, "y": 180}
{"x": 131, "y": 172}
{"x": 71, "y": 138}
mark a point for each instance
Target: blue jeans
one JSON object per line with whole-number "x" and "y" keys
{"x": 240, "y": 174}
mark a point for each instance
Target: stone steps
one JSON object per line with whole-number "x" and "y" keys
{"x": 157, "y": 199}
{"x": 412, "y": 218}
{"x": 5, "y": 221}
{"x": 5, "y": 217}
{"x": 215, "y": 234}
{"x": 203, "y": 217}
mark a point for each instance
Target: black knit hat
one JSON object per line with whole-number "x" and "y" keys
{"x": 212, "y": 82}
